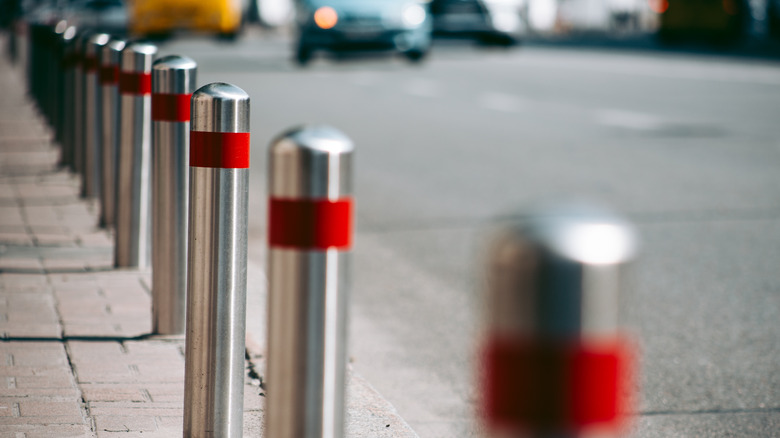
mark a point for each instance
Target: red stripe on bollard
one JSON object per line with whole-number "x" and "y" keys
{"x": 557, "y": 387}
{"x": 135, "y": 83}
{"x": 226, "y": 150}
{"x": 310, "y": 223}
{"x": 171, "y": 107}
{"x": 109, "y": 74}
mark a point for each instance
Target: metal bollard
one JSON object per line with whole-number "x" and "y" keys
{"x": 173, "y": 82}
{"x": 133, "y": 215}
{"x": 53, "y": 75}
{"x": 217, "y": 262}
{"x": 70, "y": 60}
{"x": 109, "y": 93}
{"x": 34, "y": 67}
{"x": 555, "y": 364}
{"x": 78, "y": 103}
{"x": 92, "y": 115}
{"x": 310, "y": 232}
{"x": 58, "y": 78}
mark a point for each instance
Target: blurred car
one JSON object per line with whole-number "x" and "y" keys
{"x": 109, "y": 16}
{"x": 489, "y": 21}
{"x": 714, "y": 21}
{"x": 163, "y": 18}
{"x": 341, "y": 25}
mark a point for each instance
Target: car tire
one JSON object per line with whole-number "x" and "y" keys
{"x": 303, "y": 55}
{"x": 498, "y": 39}
{"x": 415, "y": 55}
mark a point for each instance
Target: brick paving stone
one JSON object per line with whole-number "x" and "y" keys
{"x": 95, "y": 239}
{"x": 22, "y": 281}
{"x": 136, "y": 409}
{"x": 48, "y": 431}
{"x": 11, "y": 216}
{"x": 33, "y": 353}
{"x": 117, "y": 423}
{"x": 7, "y": 408}
{"x": 42, "y": 239}
{"x": 48, "y": 408}
{"x": 16, "y": 238}
{"x": 105, "y": 392}
{"x": 41, "y": 370}
{"x": 11, "y": 265}
{"x": 62, "y": 381}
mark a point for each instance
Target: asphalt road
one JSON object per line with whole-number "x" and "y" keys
{"x": 687, "y": 146}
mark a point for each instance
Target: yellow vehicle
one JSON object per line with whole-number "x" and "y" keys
{"x": 159, "y": 18}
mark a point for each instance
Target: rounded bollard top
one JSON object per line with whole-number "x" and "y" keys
{"x": 95, "y": 43}
{"x": 580, "y": 233}
{"x": 69, "y": 34}
{"x": 60, "y": 27}
{"x": 220, "y": 107}
{"x": 311, "y": 162}
{"x": 111, "y": 52}
{"x": 137, "y": 57}
{"x": 174, "y": 74}
{"x": 552, "y": 270}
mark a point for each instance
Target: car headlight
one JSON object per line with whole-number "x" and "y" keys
{"x": 326, "y": 17}
{"x": 413, "y": 15}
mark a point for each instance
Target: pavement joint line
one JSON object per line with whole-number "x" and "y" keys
{"x": 711, "y": 411}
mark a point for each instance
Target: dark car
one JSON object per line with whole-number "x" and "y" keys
{"x": 109, "y": 16}
{"x": 488, "y": 21}
{"x": 342, "y": 25}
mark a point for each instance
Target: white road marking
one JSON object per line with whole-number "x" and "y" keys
{"x": 664, "y": 67}
{"x": 422, "y": 88}
{"x": 500, "y": 102}
{"x": 628, "y": 119}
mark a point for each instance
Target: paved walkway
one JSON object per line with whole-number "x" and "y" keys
{"x": 76, "y": 358}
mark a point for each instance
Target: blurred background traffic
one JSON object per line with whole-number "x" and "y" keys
{"x": 409, "y": 26}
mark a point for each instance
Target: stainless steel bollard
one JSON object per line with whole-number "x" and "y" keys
{"x": 133, "y": 215}
{"x": 69, "y": 62}
{"x": 310, "y": 232}
{"x": 78, "y": 104}
{"x": 173, "y": 82}
{"x": 554, "y": 361}
{"x": 217, "y": 262}
{"x": 55, "y": 78}
{"x": 92, "y": 115}
{"x": 109, "y": 108}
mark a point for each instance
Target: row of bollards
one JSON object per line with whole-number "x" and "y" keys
{"x": 170, "y": 166}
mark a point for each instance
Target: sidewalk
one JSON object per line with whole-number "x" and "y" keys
{"x": 76, "y": 357}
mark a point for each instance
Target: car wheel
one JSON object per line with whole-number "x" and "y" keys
{"x": 498, "y": 39}
{"x": 415, "y": 55}
{"x": 303, "y": 55}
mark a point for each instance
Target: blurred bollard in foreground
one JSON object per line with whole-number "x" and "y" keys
{"x": 173, "y": 82}
{"x": 309, "y": 236}
{"x": 109, "y": 93}
{"x": 133, "y": 215}
{"x": 554, "y": 363}
{"x": 217, "y": 263}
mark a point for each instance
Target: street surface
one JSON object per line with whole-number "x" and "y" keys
{"x": 687, "y": 146}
